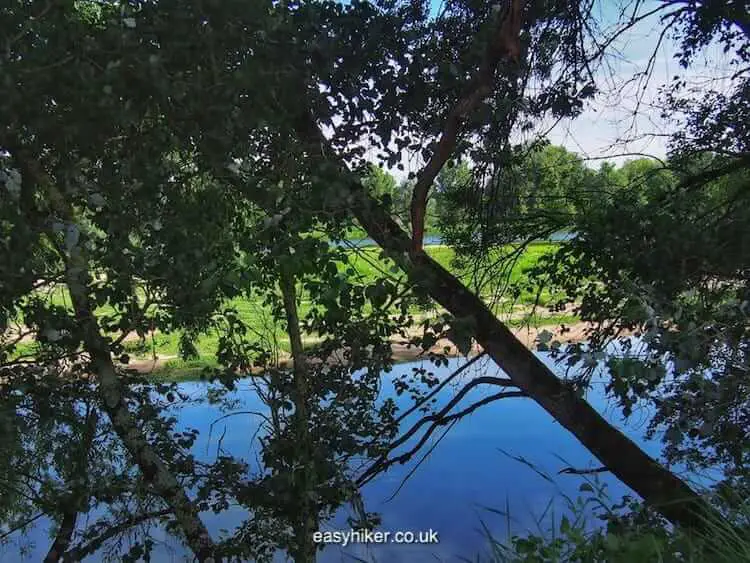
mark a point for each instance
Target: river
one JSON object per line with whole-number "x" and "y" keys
{"x": 469, "y": 476}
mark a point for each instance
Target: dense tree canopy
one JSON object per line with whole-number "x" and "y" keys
{"x": 160, "y": 160}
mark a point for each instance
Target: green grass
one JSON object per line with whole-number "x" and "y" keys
{"x": 539, "y": 321}
{"x": 368, "y": 265}
{"x": 567, "y": 538}
{"x": 182, "y": 370}
{"x": 576, "y": 533}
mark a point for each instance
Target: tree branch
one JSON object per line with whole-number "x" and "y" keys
{"x": 79, "y": 494}
{"x": 505, "y": 43}
{"x": 438, "y": 419}
{"x": 442, "y": 385}
{"x": 63, "y": 536}
{"x": 574, "y": 471}
{"x": 78, "y": 553}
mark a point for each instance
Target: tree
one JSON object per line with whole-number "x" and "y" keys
{"x": 64, "y": 232}
{"x": 449, "y": 182}
{"x": 208, "y": 117}
{"x": 668, "y": 263}
{"x": 537, "y": 192}
{"x": 380, "y": 183}
{"x": 665, "y": 256}
{"x": 658, "y": 486}
{"x": 81, "y": 276}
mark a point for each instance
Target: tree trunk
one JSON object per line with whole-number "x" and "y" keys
{"x": 155, "y": 471}
{"x": 660, "y": 488}
{"x": 306, "y": 520}
{"x": 35, "y": 180}
{"x": 79, "y": 495}
{"x": 63, "y": 537}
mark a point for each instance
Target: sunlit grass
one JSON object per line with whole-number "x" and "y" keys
{"x": 368, "y": 264}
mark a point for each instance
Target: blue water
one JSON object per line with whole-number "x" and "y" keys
{"x": 451, "y": 491}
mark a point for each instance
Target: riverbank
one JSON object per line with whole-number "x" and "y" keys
{"x": 157, "y": 353}
{"x": 170, "y": 367}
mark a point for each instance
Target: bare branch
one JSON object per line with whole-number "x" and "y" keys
{"x": 22, "y": 525}
{"x": 445, "y": 382}
{"x": 92, "y": 546}
{"x": 438, "y": 419}
{"x": 574, "y": 471}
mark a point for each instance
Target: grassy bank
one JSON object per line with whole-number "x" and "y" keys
{"x": 368, "y": 264}
{"x": 176, "y": 369}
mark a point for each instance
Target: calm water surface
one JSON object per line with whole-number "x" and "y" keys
{"x": 469, "y": 472}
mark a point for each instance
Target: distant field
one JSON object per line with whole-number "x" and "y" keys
{"x": 368, "y": 266}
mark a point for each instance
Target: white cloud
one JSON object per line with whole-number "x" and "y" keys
{"x": 625, "y": 118}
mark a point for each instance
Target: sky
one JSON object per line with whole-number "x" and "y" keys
{"x": 624, "y": 110}
{"x": 631, "y": 110}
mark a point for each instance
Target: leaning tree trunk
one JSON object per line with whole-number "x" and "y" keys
{"x": 659, "y": 487}
{"x": 155, "y": 471}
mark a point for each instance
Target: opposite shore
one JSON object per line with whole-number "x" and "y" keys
{"x": 168, "y": 367}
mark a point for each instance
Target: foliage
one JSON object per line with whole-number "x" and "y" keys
{"x": 663, "y": 257}
{"x": 683, "y": 291}
{"x": 537, "y": 192}
{"x": 152, "y": 162}
{"x": 124, "y": 139}
{"x": 630, "y": 533}
{"x": 593, "y": 527}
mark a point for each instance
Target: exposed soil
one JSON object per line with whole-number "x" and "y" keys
{"x": 402, "y": 352}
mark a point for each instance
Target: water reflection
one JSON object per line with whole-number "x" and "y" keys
{"x": 472, "y": 470}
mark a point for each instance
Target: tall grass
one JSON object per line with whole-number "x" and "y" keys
{"x": 623, "y": 532}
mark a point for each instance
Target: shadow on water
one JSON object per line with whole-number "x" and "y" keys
{"x": 471, "y": 470}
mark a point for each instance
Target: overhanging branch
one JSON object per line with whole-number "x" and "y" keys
{"x": 442, "y": 385}
{"x": 79, "y": 552}
{"x": 504, "y": 44}
{"x": 438, "y": 419}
